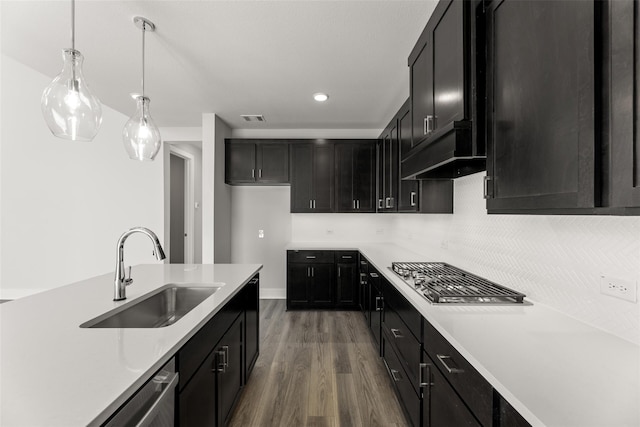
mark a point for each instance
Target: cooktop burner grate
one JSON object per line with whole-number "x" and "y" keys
{"x": 442, "y": 283}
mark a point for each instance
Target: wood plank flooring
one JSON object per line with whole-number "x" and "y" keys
{"x": 316, "y": 368}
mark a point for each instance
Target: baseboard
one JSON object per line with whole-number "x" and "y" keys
{"x": 273, "y": 293}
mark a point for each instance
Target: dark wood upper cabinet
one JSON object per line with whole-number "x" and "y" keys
{"x": 355, "y": 176}
{"x": 621, "y": 70}
{"x": 441, "y": 93}
{"x": 408, "y": 189}
{"x": 256, "y": 162}
{"x": 541, "y": 105}
{"x": 312, "y": 176}
{"x": 388, "y": 164}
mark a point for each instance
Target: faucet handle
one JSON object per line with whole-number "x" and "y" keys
{"x": 128, "y": 280}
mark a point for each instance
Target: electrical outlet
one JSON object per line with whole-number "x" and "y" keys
{"x": 260, "y": 234}
{"x": 619, "y": 288}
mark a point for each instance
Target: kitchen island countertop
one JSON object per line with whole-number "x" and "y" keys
{"x": 54, "y": 373}
{"x": 553, "y": 369}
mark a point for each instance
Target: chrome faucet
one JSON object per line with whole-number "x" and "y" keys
{"x": 121, "y": 282}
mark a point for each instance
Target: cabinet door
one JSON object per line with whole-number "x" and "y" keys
{"x": 364, "y": 177}
{"x": 421, "y": 81}
{"x": 272, "y": 162}
{"x": 408, "y": 196}
{"x": 321, "y": 285}
{"x": 323, "y": 177}
{"x": 301, "y": 177}
{"x": 391, "y": 170}
{"x": 448, "y": 66}
{"x": 380, "y": 173}
{"x": 376, "y": 307}
{"x": 540, "y": 94}
{"x": 624, "y": 30}
{"x": 347, "y": 284}
{"x": 240, "y": 162}
{"x": 444, "y": 408}
{"x": 252, "y": 325}
{"x": 298, "y": 285}
{"x": 197, "y": 401}
{"x": 345, "y": 198}
{"x": 229, "y": 370}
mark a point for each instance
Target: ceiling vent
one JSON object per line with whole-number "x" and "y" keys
{"x": 253, "y": 117}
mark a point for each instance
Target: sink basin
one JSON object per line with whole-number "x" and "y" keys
{"x": 157, "y": 309}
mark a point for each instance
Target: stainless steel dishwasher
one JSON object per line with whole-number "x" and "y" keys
{"x": 152, "y": 405}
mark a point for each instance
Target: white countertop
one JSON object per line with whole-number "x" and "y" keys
{"x": 553, "y": 369}
{"x": 54, "y": 373}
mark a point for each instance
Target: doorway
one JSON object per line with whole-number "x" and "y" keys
{"x": 182, "y": 206}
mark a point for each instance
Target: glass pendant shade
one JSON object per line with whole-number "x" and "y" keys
{"x": 69, "y": 108}
{"x": 141, "y": 136}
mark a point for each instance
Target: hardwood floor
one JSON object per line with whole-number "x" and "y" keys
{"x": 316, "y": 368}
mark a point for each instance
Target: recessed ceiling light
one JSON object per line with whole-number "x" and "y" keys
{"x": 320, "y": 97}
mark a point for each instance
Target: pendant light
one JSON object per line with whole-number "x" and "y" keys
{"x": 140, "y": 135}
{"x": 68, "y": 107}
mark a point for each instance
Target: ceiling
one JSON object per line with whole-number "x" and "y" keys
{"x": 232, "y": 57}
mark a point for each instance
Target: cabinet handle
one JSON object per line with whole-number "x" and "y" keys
{"x": 380, "y": 204}
{"x": 253, "y": 174}
{"x": 450, "y": 370}
{"x": 379, "y": 303}
{"x": 428, "y": 124}
{"x": 393, "y": 374}
{"x": 374, "y": 275}
{"x": 339, "y": 271}
{"x": 314, "y": 203}
{"x": 346, "y": 256}
{"x": 358, "y": 204}
{"x": 310, "y": 204}
{"x": 397, "y": 333}
{"x": 311, "y": 257}
{"x": 487, "y": 178}
{"x": 313, "y": 272}
{"x": 259, "y": 173}
{"x": 421, "y": 375}
{"x": 424, "y": 125}
{"x": 413, "y": 198}
{"x": 308, "y": 271}
{"x": 353, "y": 204}
{"x": 387, "y": 202}
{"x": 222, "y": 359}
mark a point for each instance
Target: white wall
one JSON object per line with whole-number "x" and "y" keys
{"x": 64, "y": 204}
{"x": 222, "y": 198}
{"x": 267, "y": 209}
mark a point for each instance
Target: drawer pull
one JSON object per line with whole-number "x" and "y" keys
{"x": 346, "y": 257}
{"x": 374, "y": 275}
{"x": 397, "y": 333}
{"x": 394, "y": 373}
{"x": 450, "y": 370}
{"x": 311, "y": 257}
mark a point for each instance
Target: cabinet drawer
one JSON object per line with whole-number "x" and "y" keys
{"x": 403, "y": 308}
{"x": 405, "y": 344}
{"x": 194, "y": 352}
{"x": 310, "y": 256}
{"x": 476, "y": 392}
{"x": 408, "y": 396}
{"x": 346, "y": 256}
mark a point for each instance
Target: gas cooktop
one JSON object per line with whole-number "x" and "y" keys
{"x": 442, "y": 283}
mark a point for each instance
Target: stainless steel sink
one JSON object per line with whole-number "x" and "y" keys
{"x": 160, "y": 308}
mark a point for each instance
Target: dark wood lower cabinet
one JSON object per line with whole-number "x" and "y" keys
{"x": 441, "y": 406}
{"x": 224, "y": 351}
{"x": 409, "y": 399}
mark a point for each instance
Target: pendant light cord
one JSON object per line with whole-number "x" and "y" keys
{"x": 144, "y": 27}
{"x": 73, "y": 24}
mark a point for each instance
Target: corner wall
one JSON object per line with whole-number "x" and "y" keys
{"x": 65, "y": 204}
